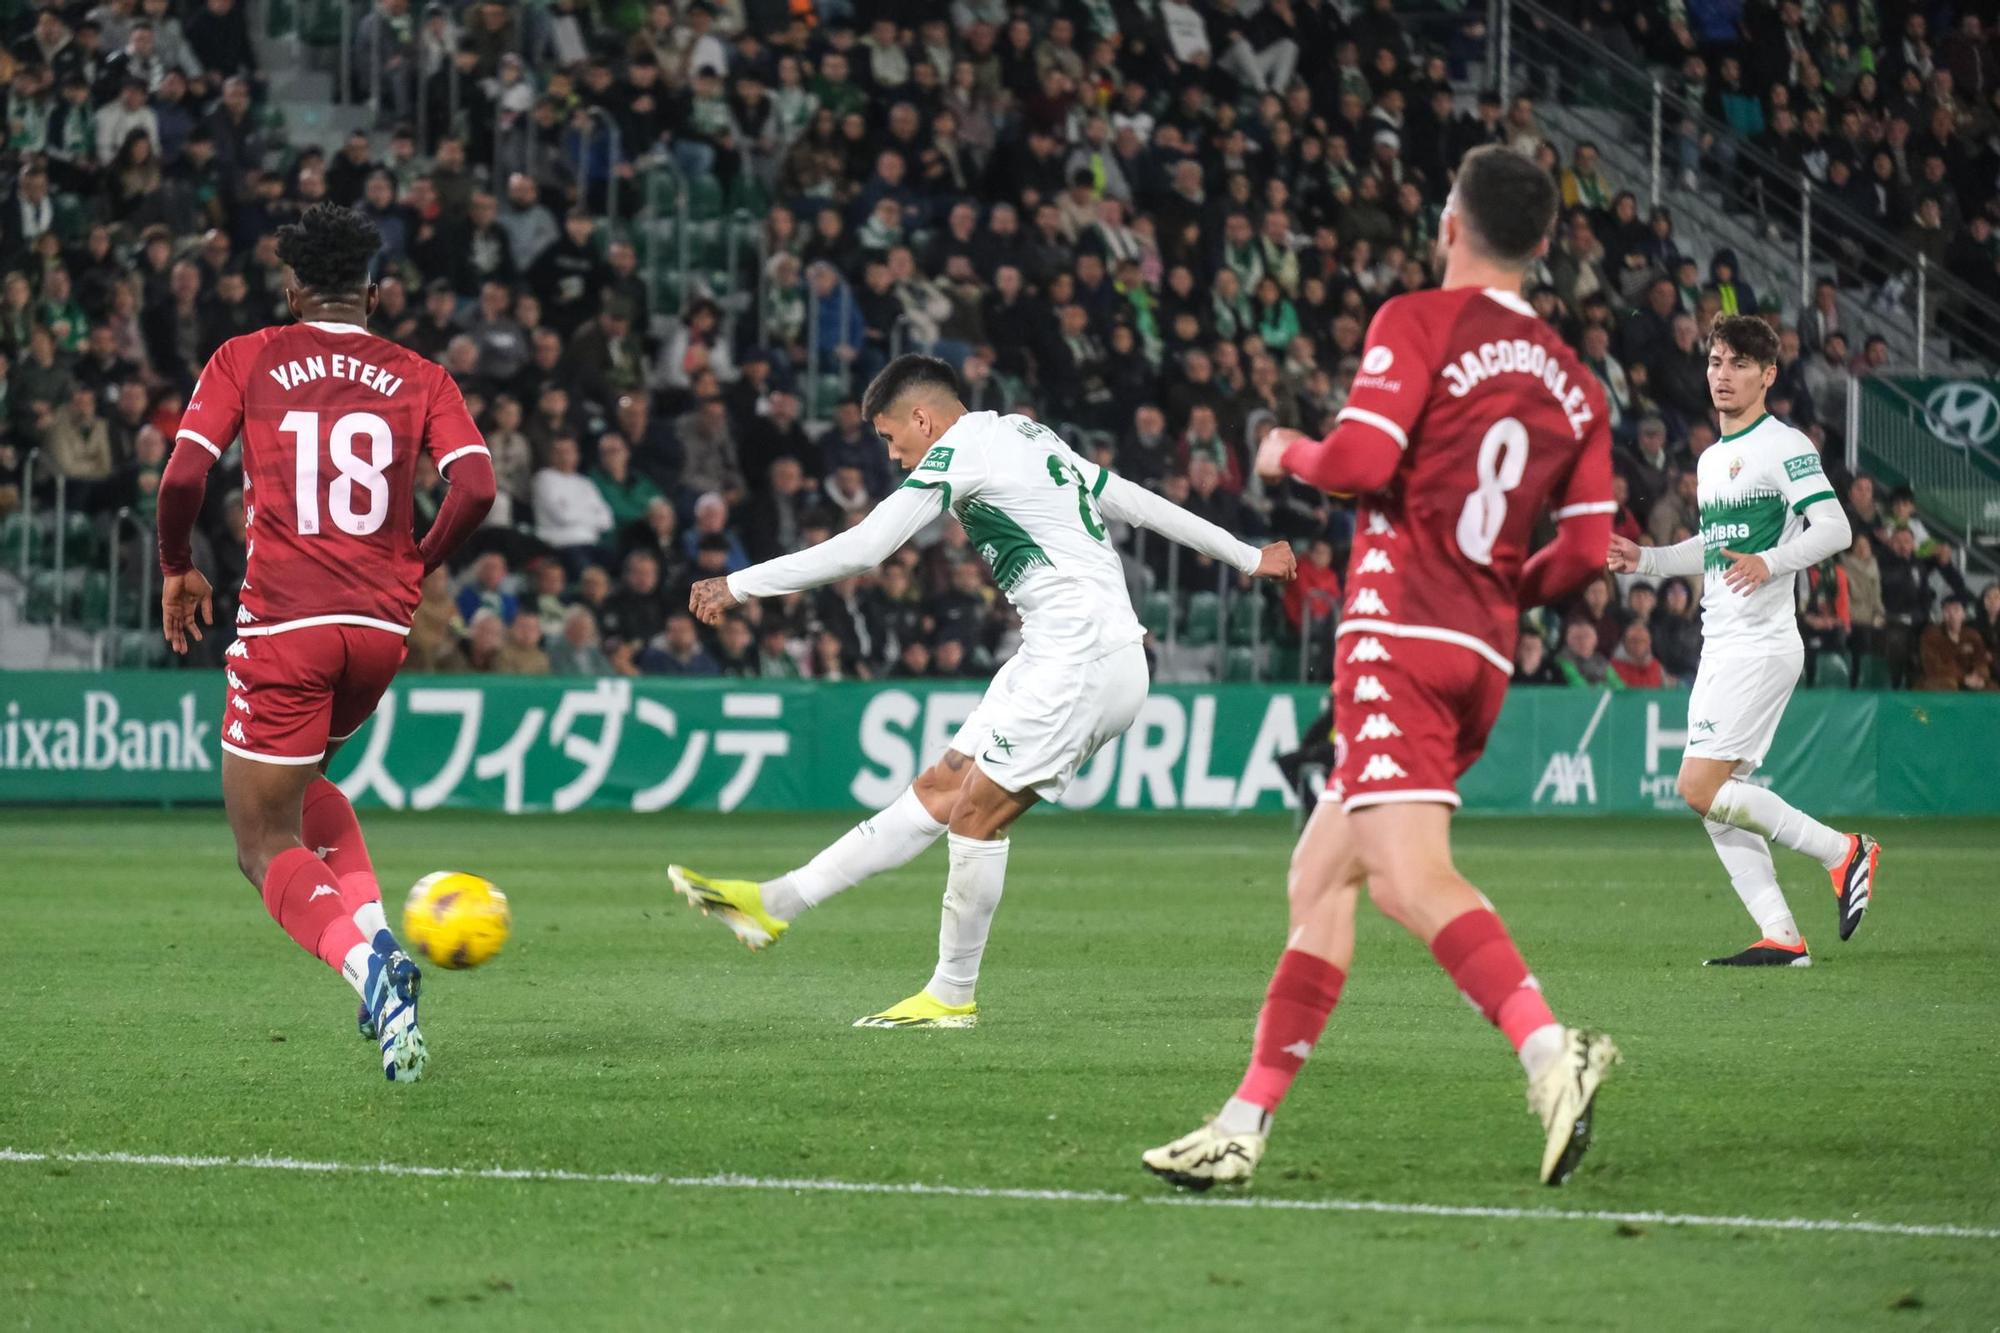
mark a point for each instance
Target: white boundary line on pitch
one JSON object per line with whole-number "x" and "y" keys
{"x": 784, "y": 1185}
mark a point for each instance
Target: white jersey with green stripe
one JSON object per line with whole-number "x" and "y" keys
{"x": 1030, "y": 506}
{"x": 1754, "y": 486}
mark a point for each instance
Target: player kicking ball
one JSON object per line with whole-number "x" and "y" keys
{"x": 1035, "y": 511}
{"x": 1767, "y": 512}
{"x": 332, "y": 419}
{"x": 1468, "y": 419}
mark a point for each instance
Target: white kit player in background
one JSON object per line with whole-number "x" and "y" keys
{"x": 1035, "y": 511}
{"x": 1767, "y": 512}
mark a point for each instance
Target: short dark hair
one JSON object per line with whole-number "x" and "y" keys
{"x": 330, "y": 249}
{"x": 1746, "y": 335}
{"x": 1508, "y": 201}
{"x": 903, "y": 375}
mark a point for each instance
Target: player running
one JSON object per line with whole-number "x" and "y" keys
{"x": 332, "y": 418}
{"x": 1036, "y": 511}
{"x": 1469, "y": 416}
{"x": 1756, "y": 482}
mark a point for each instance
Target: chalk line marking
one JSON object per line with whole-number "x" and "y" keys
{"x": 813, "y": 1185}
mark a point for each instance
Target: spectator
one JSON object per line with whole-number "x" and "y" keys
{"x": 79, "y": 445}
{"x": 523, "y": 655}
{"x": 1826, "y": 618}
{"x": 1532, "y": 665}
{"x": 736, "y": 648}
{"x": 1866, "y": 615}
{"x": 1676, "y": 628}
{"x": 570, "y": 513}
{"x": 1954, "y": 656}
{"x": 576, "y": 652}
{"x": 1579, "y": 661}
{"x": 677, "y": 651}
{"x": 627, "y": 494}
{"x": 487, "y": 590}
{"x": 1316, "y": 590}
{"x": 1680, "y": 509}
{"x": 485, "y": 640}
{"x": 1634, "y": 662}
{"x": 1906, "y": 603}
{"x": 708, "y": 451}
{"x": 711, "y": 532}
{"x": 636, "y": 612}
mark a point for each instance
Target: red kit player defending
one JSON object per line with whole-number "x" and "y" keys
{"x": 1468, "y": 418}
{"x": 332, "y": 418}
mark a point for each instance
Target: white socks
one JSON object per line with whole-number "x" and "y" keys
{"x": 369, "y": 919}
{"x": 354, "y": 968}
{"x": 1540, "y": 1047}
{"x": 890, "y": 838}
{"x": 1240, "y": 1117}
{"x": 971, "y": 893}
{"x": 1747, "y": 858}
{"x": 1767, "y": 813}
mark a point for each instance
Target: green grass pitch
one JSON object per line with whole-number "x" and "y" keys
{"x": 152, "y": 1008}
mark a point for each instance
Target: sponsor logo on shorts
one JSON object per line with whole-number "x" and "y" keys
{"x": 1003, "y": 745}
{"x": 1705, "y": 727}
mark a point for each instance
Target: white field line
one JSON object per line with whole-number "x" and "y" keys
{"x": 784, "y": 1185}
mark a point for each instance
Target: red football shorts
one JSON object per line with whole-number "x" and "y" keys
{"x": 291, "y": 693}
{"x": 1409, "y": 717}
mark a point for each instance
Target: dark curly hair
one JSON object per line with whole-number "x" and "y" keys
{"x": 330, "y": 249}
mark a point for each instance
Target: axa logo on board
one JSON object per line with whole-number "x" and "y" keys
{"x": 103, "y": 739}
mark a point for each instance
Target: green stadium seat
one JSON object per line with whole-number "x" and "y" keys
{"x": 704, "y": 198}
{"x": 93, "y": 603}
{"x": 15, "y": 529}
{"x": 748, "y": 195}
{"x": 1156, "y": 612}
{"x": 1831, "y": 672}
{"x": 1203, "y": 625}
{"x": 1874, "y": 673}
{"x": 1246, "y": 619}
{"x": 1239, "y": 664}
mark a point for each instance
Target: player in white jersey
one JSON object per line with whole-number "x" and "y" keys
{"x": 1036, "y": 511}
{"x": 1767, "y": 512}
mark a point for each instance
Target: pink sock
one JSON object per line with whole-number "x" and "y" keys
{"x": 302, "y": 894}
{"x": 1480, "y": 956}
{"x": 1302, "y": 994}
{"x": 328, "y": 826}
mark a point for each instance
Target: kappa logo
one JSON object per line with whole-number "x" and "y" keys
{"x": 235, "y": 733}
{"x": 1381, "y": 768}
{"x": 240, "y": 648}
{"x": 1368, "y": 602}
{"x": 1368, "y": 690}
{"x": 1378, "y": 525}
{"x": 1368, "y": 648}
{"x": 1377, "y": 727}
{"x": 243, "y": 616}
{"x": 321, "y": 890}
{"x": 1298, "y": 1050}
{"x": 235, "y": 681}
{"x": 236, "y": 702}
{"x": 1376, "y": 561}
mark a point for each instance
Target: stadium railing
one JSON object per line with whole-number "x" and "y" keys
{"x": 1763, "y": 202}
{"x": 1900, "y": 441}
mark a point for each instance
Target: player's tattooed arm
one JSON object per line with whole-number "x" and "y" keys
{"x": 710, "y": 599}
{"x": 955, "y": 760}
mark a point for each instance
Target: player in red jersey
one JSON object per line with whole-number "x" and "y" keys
{"x": 332, "y": 418}
{"x": 1468, "y": 418}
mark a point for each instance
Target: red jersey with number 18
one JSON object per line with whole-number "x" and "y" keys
{"x": 332, "y": 418}
{"x": 1497, "y": 420}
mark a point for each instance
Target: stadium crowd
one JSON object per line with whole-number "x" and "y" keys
{"x": 1161, "y": 225}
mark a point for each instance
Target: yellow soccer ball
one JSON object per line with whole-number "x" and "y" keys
{"x": 456, "y": 920}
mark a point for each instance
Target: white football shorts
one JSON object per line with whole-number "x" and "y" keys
{"x": 1737, "y": 703}
{"x": 1040, "y": 721}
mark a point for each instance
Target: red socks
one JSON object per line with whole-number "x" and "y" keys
{"x": 1481, "y": 958}
{"x": 328, "y": 826}
{"x": 1303, "y": 992}
{"x": 301, "y": 896}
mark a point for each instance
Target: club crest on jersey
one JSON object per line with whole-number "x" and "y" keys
{"x": 1735, "y": 468}
{"x": 1377, "y": 360}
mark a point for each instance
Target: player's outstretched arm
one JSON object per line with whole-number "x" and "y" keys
{"x": 1132, "y": 503}
{"x": 1359, "y": 456}
{"x": 1681, "y": 560}
{"x": 906, "y": 511}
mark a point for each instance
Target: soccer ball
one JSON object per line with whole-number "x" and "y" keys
{"x": 456, "y": 920}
